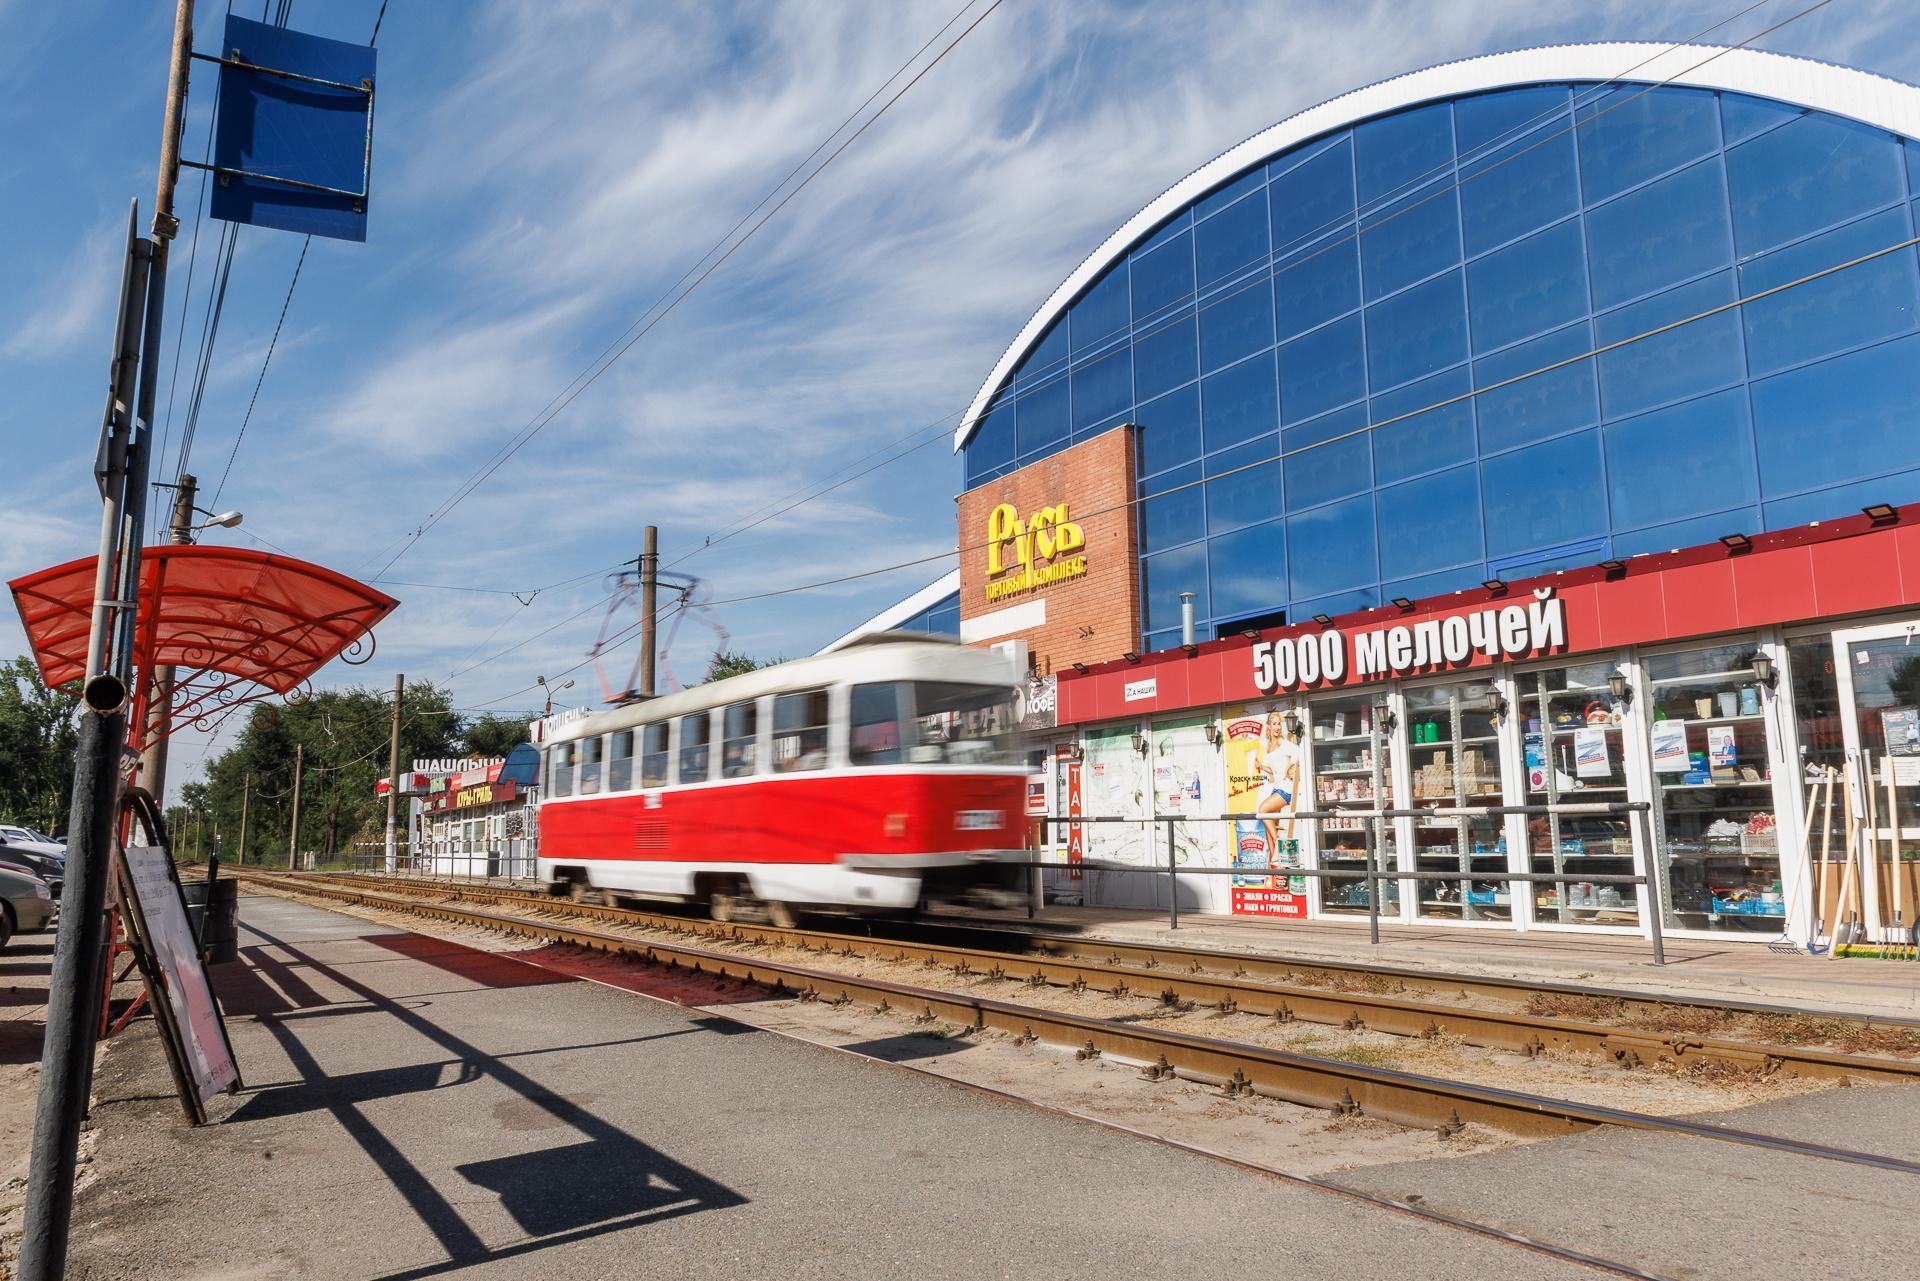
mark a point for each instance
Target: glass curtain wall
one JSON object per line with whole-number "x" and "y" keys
{"x": 1571, "y": 739}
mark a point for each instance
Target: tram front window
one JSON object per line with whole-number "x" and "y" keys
{"x": 933, "y": 723}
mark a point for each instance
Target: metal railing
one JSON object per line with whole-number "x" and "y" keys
{"x": 490, "y": 864}
{"x": 1373, "y": 876}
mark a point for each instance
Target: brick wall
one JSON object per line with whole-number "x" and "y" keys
{"x": 1088, "y": 619}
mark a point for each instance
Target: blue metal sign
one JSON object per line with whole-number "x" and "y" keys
{"x": 293, "y": 146}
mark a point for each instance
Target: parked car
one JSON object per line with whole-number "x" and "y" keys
{"x": 28, "y": 839}
{"x": 26, "y": 904}
{"x": 40, "y": 866}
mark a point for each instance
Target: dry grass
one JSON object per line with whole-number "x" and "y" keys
{"x": 1849, "y": 1036}
{"x": 1583, "y": 1009}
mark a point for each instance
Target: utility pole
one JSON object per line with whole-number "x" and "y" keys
{"x": 293, "y": 836}
{"x": 649, "y": 589}
{"x": 153, "y": 761}
{"x": 393, "y": 772}
{"x": 246, "y": 793}
{"x": 74, "y": 988}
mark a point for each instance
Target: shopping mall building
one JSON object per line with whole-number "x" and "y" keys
{"x": 1530, "y": 430}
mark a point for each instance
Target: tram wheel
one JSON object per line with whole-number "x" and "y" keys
{"x": 579, "y": 890}
{"x": 780, "y": 914}
{"x": 720, "y": 907}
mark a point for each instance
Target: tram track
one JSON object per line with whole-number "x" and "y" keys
{"x": 1395, "y": 1001}
{"x": 1336, "y": 1085}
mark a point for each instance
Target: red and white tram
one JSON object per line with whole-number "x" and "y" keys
{"x": 865, "y": 779}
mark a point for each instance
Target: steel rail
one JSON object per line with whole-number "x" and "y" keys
{"x": 1100, "y": 965}
{"x": 1348, "y": 1089}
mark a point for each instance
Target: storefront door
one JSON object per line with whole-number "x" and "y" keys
{"x": 1878, "y": 670}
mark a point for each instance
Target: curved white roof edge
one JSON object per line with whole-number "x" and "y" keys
{"x": 1804, "y": 82}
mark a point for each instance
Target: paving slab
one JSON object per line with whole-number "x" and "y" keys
{"x": 416, "y": 1108}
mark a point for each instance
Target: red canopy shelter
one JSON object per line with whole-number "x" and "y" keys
{"x": 235, "y": 624}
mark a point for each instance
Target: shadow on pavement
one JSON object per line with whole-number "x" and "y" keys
{"x": 912, "y": 1045}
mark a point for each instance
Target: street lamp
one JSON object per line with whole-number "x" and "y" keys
{"x": 225, "y": 520}
{"x": 541, "y": 681}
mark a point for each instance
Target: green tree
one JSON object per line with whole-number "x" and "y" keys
{"x": 727, "y": 663}
{"x": 37, "y": 742}
{"x": 493, "y": 735}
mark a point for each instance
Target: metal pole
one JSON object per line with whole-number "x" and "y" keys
{"x": 246, "y": 794}
{"x": 115, "y": 431}
{"x": 1373, "y": 888}
{"x": 1173, "y": 884}
{"x": 1656, "y": 902}
{"x": 293, "y": 835}
{"x": 649, "y": 589}
{"x": 153, "y": 765}
{"x": 393, "y": 771}
{"x": 67, "y": 1055}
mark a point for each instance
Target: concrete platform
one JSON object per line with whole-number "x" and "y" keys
{"x": 415, "y": 1108}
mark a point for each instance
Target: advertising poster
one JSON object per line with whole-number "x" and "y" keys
{"x": 1670, "y": 747}
{"x": 1590, "y": 753}
{"x": 1902, "y": 726}
{"x": 1536, "y": 748}
{"x": 1721, "y": 751}
{"x": 1264, "y": 775}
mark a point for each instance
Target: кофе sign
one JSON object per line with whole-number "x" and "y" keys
{"x": 1473, "y": 638}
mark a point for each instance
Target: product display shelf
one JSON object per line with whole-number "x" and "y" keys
{"x": 1342, "y": 738}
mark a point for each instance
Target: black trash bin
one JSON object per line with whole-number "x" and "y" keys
{"x": 218, "y": 930}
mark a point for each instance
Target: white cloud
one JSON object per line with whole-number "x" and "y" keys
{"x": 72, "y": 308}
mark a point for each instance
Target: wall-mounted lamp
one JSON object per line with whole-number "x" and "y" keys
{"x": 1880, "y": 513}
{"x": 1191, "y": 649}
{"x": 1213, "y": 735}
{"x": 1764, "y": 673}
{"x": 1383, "y": 718}
{"x": 1080, "y": 668}
{"x": 1494, "y": 585}
{"x": 1132, "y": 656}
{"x": 1294, "y": 727}
{"x": 1325, "y": 620}
{"x": 1403, "y": 602}
{"x": 1618, "y": 687}
{"x": 1736, "y": 542}
{"x": 1139, "y": 742}
{"x": 1074, "y": 751}
{"x": 1251, "y": 633}
{"x": 1614, "y": 567}
{"x": 1500, "y": 708}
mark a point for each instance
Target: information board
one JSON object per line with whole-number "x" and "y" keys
{"x": 191, "y": 1025}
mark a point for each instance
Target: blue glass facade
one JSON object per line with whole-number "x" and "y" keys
{"x": 1325, "y": 354}
{"x": 942, "y": 618}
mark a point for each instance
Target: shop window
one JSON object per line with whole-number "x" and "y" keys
{"x": 1698, "y": 356}
{"x": 1165, "y": 576}
{"x": 1632, "y": 134}
{"x": 1238, "y": 324}
{"x": 561, "y": 767}
{"x": 1247, "y": 569}
{"x": 1103, "y": 388}
{"x": 1352, "y": 770}
{"x": 1173, "y": 517}
{"x": 1523, "y": 184}
{"x": 1416, "y": 333}
{"x": 589, "y": 765}
{"x": 1427, "y": 441}
{"x": 1240, "y": 404}
{"x": 1843, "y": 500}
{"x": 1311, "y": 198}
{"x": 1544, "y": 494}
{"x": 1040, "y": 416}
{"x": 1840, "y": 419}
{"x": 1667, "y": 232}
{"x": 1102, "y": 311}
{"x": 1410, "y": 240}
{"x": 1326, "y": 472}
{"x": 1812, "y": 173}
{"x": 1318, "y": 283}
{"x": 1396, "y": 153}
{"x": 1678, "y": 461}
{"x": 1451, "y": 734}
{"x": 1162, "y": 276}
{"x": 1169, "y": 430}
{"x": 1528, "y": 287}
{"x": 1541, "y": 405}
{"x": 1573, "y": 753}
{"x": 653, "y": 755}
{"x": 1165, "y": 358}
{"x": 620, "y": 761}
{"x": 1250, "y": 493}
{"x": 992, "y": 442}
{"x": 1331, "y": 549}
{"x": 1815, "y": 688}
{"x": 739, "y": 743}
{"x": 695, "y": 753}
{"x": 800, "y": 731}
{"x": 1713, "y": 770}
{"x": 1321, "y": 370}
{"x": 1232, "y": 239}
{"x": 1744, "y": 117}
{"x": 874, "y": 726}
{"x": 1430, "y": 523}
{"x": 1875, "y": 299}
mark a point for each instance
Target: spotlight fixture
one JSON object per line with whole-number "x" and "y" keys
{"x": 1191, "y": 649}
{"x": 1614, "y": 567}
{"x": 1325, "y": 620}
{"x": 1764, "y": 673}
{"x": 1618, "y": 687}
{"x": 1736, "y": 542}
{"x": 1139, "y": 742}
{"x": 1403, "y": 602}
{"x": 1132, "y": 656}
{"x": 1494, "y": 585}
{"x": 1251, "y": 633}
{"x": 1213, "y": 735}
{"x": 1383, "y": 717}
{"x": 1880, "y": 513}
{"x": 1081, "y": 668}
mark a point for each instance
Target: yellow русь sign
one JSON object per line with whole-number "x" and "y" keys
{"x": 1046, "y": 536}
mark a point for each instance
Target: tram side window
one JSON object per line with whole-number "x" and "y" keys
{"x": 590, "y": 751}
{"x": 653, "y": 755}
{"x": 874, "y": 725}
{"x": 620, "y": 762}
{"x": 800, "y": 731}
{"x": 563, "y": 769}
{"x": 694, "y": 731}
{"x": 737, "y": 742}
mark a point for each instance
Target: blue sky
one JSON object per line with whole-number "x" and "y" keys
{"x": 543, "y": 172}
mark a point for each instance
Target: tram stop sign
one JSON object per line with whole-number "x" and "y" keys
{"x": 293, "y": 145}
